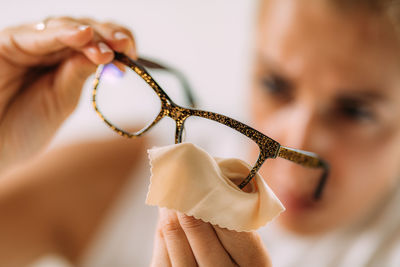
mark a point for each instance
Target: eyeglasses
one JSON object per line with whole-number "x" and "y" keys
{"x": 268, "y": 148}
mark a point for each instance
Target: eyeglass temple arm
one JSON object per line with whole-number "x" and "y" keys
{"x": 304, "y": 158}
{"x": 186, "y": 86}
{"x": 307, "y": 159}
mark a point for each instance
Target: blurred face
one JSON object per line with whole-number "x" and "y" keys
{"x": 328, "y": 81}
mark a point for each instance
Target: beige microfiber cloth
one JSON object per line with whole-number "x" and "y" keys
{"x": 186, "y": 178}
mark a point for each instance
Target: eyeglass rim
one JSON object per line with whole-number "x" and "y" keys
{"x": 268, "y": 147}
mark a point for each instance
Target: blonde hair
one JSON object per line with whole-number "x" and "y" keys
{"x": 388, "y": 8}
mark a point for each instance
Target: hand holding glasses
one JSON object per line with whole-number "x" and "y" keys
{"x": 268, "y": 148}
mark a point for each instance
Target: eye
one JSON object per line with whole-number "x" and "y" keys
{"x": 356, "y": 110}
{"x": 276, "y": 86}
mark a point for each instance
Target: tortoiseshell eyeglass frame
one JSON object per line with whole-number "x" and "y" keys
{"x": 269, "y": 148}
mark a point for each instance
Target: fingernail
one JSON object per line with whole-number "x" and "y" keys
{"x": 83, "y": 27}
{"x": 104, "y": 48}
{"x": 120, "y": 36}
{"x": 132, "y": 53}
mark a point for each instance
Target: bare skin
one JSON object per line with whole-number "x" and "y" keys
{"x": 182, "y": 240}
{"x": 55, "y": 203}
{"x": 319, "y": 85}
{"x": 336, "y": 99}
{"x": 41, "y": 77}
{"x": 327, "y": 81}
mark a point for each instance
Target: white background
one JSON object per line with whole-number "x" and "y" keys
{"x": 209, "y": 41}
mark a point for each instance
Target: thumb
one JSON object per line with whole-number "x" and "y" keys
{"x": 69, "y": 80}
{"x": 25, "y": 46}
{"x": 245, "y": 248}
{"x": 35, "y": 115}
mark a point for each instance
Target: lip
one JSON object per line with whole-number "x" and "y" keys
{"x": 297, "y": 203}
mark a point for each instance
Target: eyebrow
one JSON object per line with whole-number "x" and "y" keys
{"x": 274, "y": 71}
{"x": 345, "y": 93}
{"x": 362, "y": 95}
{"x": 268, "y": 64}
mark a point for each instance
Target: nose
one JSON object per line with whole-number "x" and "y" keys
{"x": 300, "y": 128}
{"x": 296, "y": 126}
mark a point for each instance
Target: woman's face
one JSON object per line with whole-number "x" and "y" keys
{"x": 328, "y": 81}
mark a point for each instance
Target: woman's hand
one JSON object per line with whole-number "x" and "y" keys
{"x": 185, "y": 241}
{"x": 42, "y": 70}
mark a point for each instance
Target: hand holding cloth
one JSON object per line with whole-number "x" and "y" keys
{"x": 187, "y": 179}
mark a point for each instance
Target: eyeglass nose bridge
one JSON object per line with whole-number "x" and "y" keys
{"x": 179, "y": 115}
{"x": 175, "y": 112}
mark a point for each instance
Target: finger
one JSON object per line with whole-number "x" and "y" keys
{"x": 131, "y": 50}
{"x": 178, "y": 247}
{"x": 245, "y": 248}
{"x": 97, "y": 48}
{"x": 69, "y": 80}
{"x": 118, "y": 38}
{"x": 120, "y": 66}
{"x": 203, "y": 240}
{"x": 26, "y": 46}
{"x": 98, "y": 52}
{"x": 160, "y": 253}
{"x": 53, "y": 96}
